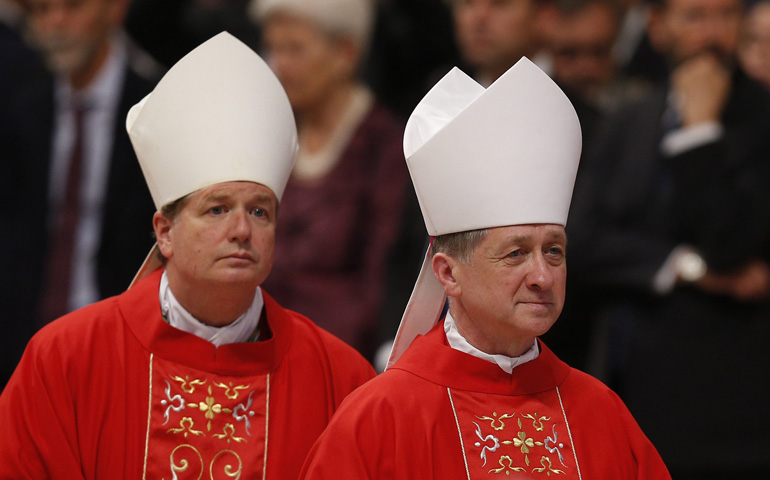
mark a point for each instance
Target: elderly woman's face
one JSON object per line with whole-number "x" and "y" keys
{"x": 308, "y": 62}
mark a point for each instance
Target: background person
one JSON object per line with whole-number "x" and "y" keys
{"x": 754, "y": 48}
{"x": 71, "y": 182}
{"x": 346, "y": 193}
{"x": 674, "y": 234}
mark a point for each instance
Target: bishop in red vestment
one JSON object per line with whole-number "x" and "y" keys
{"x": 195, "y": 371}
{"x": 113, "y": 391}
{"x": 439, "y": 413}
{"x": 477, "y": 395}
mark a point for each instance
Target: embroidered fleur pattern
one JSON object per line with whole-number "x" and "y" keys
{"x": 195, "y": 406}
{"x": 523, "y": 445}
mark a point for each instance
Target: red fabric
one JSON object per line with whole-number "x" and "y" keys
{"x": 77, "y": 406}
{"x": 404, "y": 423}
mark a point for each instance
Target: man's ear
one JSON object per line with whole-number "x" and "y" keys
{"x": 162, "y": 227}
{"x": 445, "y": 270}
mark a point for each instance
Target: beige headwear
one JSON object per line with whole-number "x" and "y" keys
{"x": 483, "y": 158}
{"x": 218, "y": 115}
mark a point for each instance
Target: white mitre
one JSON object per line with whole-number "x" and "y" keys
{"x": 218, "y": 115}
{"x": 484, "y": 158}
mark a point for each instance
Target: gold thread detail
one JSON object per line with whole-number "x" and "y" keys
{"x": 569, "y": 432}
{"x": 506, "y": 468}
{"x": 229, "y": 434}
{"x": 228, "y": 471}
{"x": 147, "y": 434}
{"x": 547, "y": 469}
{"x": 459, "y": 432}
{"x": 494, "y": 419}
{"x": 184, "y": 464}
{"x": 267, "y": 426}
{"x": 537, "y": 421}
{"x": 234, "y": 388}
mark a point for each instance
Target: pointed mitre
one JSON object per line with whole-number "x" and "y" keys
{"x": 218, "y": 115}
{"x": 482, "y": 158}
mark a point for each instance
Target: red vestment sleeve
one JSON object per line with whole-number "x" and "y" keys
{"x": 39, "y": 435}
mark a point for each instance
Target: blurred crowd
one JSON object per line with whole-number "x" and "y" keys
{"x": 669, "y": 230}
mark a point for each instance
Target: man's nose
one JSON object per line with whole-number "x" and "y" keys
{"x": 540, "y": 276}
{"x": 240, "y": 228}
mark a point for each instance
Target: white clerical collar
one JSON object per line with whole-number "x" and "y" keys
{"x": 458, "y": 342}
{"x": 238, "y": 331}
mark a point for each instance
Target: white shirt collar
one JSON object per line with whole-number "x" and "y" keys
{"x": 458, "y": 342}
{"x": 238, "y": 331}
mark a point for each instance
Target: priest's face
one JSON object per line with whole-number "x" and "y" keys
{"x": 224, "y": 235}
{"x": 512, "y": 287}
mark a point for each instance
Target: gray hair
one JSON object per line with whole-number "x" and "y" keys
{"x": 459, "y": 245}
{"x": 353, "y": 18}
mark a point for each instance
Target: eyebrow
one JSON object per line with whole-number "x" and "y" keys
{"x": 549, "y": 237}
{"x": 218, "y": 197}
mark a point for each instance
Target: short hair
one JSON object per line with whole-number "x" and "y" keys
{"x": 459, "y": 245}
{"x": 171, "y": 211}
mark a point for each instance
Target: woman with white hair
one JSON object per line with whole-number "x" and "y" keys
{"x": 341, "y": 212}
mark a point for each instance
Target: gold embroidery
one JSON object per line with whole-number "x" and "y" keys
{"x": 184, "y": 464}
{"x": 569, "y": 432}
{"x": 186, "y": 426}
{"x": 214, "y": 404}
{"x": 524, "y": 442}
{"x": 267, "y": 423}
{"x": 187, "y": 385}
{"x": 528, "y": 443}
{"x": 235, "y": 389}
{"x": 495, "y": 419}
{"x": 210, "y": 408}
{"x": 547, "y": 469}
{"x": 507, "y": 468}
{"x": 537, "y": 422}
{"x": 229, "y": 434}
{"x": 228, "y": 468}
{"x": 149, "y": 418}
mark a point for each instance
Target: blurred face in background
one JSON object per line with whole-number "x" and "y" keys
{"x": 754, "y": 51}
{"x": 494, "y": 34}
{"x": 73, "y": 35}
{"x": 581, "y": 44}
{"x": 683, "y": 29}
{"x": 309, "y": 62}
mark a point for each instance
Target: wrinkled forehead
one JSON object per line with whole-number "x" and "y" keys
{"x": 529, "y": 233}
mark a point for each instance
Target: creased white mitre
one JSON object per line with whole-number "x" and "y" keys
{"x": 505, "y": 155}
{"x": 218, "y": 115}
{"x": 483, "y": 158}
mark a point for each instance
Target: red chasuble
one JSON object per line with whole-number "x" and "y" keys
{"x": 442, "y": 414}
{"x": 113, "y": 391}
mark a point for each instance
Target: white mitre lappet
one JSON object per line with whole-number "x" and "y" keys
{"x": 218, "y": 115}
{"x": 483, "y": 158}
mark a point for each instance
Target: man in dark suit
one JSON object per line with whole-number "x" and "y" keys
{"x": 673, "y": 231}
{"x": 73, "y": 242}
